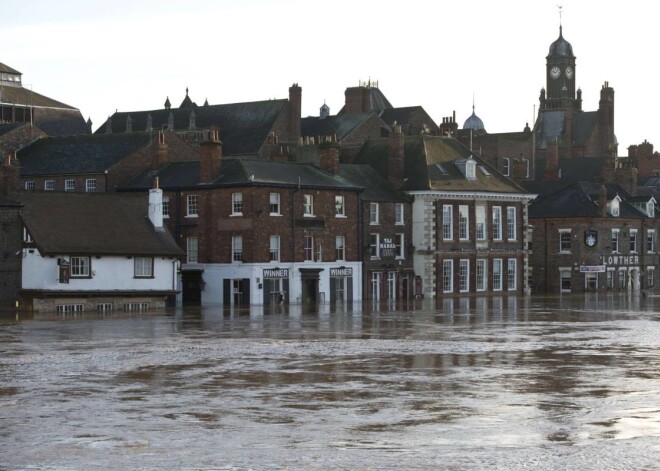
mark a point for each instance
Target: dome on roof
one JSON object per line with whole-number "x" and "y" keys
{"x": 474, "y": 122}
{"x": 560, "y": 48}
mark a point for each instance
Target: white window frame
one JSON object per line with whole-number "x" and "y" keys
{"x": 69, "y": 184}
{"x": 463, "y": 222}
{"x": 497, "y": 274}
{"x": 166, "y": 207}
{"x": 340, "y": 206}
{"x": 30, "y": 185}
{"x": 49, "y": 185}
{"x": 650, "y": 277}
{"x": 374, "y": 246}
{"x": 633, "y": 241}
{"x": 237, "y": 248}
{"x": 374, "y": 214}
{"x": 481, "y": 274}
{"x": 274, "y": 206}
{"x": 565, "y": 273}
{"x": 497, "y": 223}
{"x": 447, "y": 222}
{"x": 90, "y": 185}
{"x": 236, "y": 204}
{"x": 448, "y": 276}
{"x": 511, "y": 224}
{"x": 399, "y": 246}
{"x": 565, "y": 233}
{"x": 340, "y": 248}
{"x": 481, "y": 225}
{"x": 274, "y": 248}
{"x": 143, "y": 267}
{"x": 80, "y": 267}
{"x": 650, "y": 241}
{"x": 192, "y": 206}
{"x": 308, "y": 248}
{"x": 308, "y": 205}
{"x": 615, "y": 241}
{"x": 512, "y": 274}
{"x": 506, "y": 167}
{"x": 464, "y": 275}
{"x": 399, "y": 216}
{"x": 192, "y": 249}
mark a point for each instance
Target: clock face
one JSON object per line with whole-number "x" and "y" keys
{"x": 555, "y": 72}
{"x": 569, "y": 72}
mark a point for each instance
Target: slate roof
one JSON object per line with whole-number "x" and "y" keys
{"x": 7, "y": 202}
{"x": 574, "y": 169}
{"x": 431, "y": 164}
{"x": 23, "y": 96}
{"x": 5, "y": 68}
{"x": 79, "y": 154}
{"x": 376, "y": 188}
{"x": 94, "y": 224}
{"x": 377, "y": 101}
{"x": 244, "y": 172}
{"x": 551, "y": 125}
{"x": 408, "y": 115}
{"x": 340, "y": 125}
{"x": 580, "y": 200}
{"x": 243, "y": 126}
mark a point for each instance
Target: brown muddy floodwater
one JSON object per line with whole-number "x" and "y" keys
{"x": 497, "y": 383}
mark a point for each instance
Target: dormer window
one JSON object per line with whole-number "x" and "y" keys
{"x": 650, "y": 208}
{"x": 468, "y": 168}
{"x": 614, "y": 207}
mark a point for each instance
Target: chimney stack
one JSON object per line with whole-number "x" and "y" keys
{"x": 357, "y": 100}
{"x": 156, "y": 206}
{"x": 395, "y": 157}
{"x": 329, "y": 158}
{"x": 552, "y": 163}
{"x": 159, "y": 152}
{"x": 210, "y": 157}
{"x": 9, "y": 175}
{"x": 295, "y": 113}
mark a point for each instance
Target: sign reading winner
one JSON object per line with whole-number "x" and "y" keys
{"x": 276, "y": 272}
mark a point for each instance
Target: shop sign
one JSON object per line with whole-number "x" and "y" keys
{"x": 592, "y": 269}
{"x": 387, "y": 247}
{"x": 620, "y": 259}
{"x": 276, "y": 272}
{"x": 341, "y": 271}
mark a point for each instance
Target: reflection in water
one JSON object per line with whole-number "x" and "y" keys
{"x": 468, "y": 383}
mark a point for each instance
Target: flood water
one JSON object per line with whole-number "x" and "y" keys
{"x": 497, "y": 383}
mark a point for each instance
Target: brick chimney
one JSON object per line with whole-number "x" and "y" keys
{"x": 329, "y": 155}
{"x": 395, "y": 157}
{"x": 551, "y": 173}
{"x": 295, "y": 113}
{"x": 606, "y": 120}
{"x": 9, "y": 175}
{"x": 159, "y": 152}
{"x": 210, "y": 157}
{"x": 357, "y": 100}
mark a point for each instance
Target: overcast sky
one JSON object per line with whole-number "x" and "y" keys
{"x": 131, "y": 54}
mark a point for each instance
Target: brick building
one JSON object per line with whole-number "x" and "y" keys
{"x": 97, "y": 163}
{"x": 262, "y": 232}
{"x": 468, "y": 222}
{"x": 594, "y": 237}
{"x": 22, "y": 105}
{"x": 10, "y": 246}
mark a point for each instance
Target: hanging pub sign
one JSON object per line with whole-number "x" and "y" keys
{"x": 590, "y": 238}
{"x": 65, "y": 270}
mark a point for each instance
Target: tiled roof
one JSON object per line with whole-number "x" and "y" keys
{"x": 376, "y": 188}
{"x": 79, "y": 154}
{"x": 94, "y": 224}
{"x": 60, "y": 122}
{"x": 340, "y": 125}
{"x": 581, "y": 200}
{"x": 243, "y": 126}
{"x": 5, "y": 68}
{"x": 244, "y": 172}
{"x": 431, "y": 164}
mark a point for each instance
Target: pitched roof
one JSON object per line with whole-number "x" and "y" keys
{"x": 5, "y": 68}
{"x": 60, "y": 121}
{"x": 415, "y": 117}
{"x": 376, "y": 188}
{"x": 340, "y": 125}
{"x": 244, "y": 172}
{"x": 79, "y": 154}
{"x": 243, "y": 126}
{"x": 432, "y": 163}
{"x": 94, "y": 224}
{"x": 25, "y": 97}
{"x": 551, "y": 125}
{"x": 581, "y": 200}
{"x": 574, "y": 169}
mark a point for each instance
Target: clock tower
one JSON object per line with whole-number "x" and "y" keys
{"x": 560, "y": 76}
